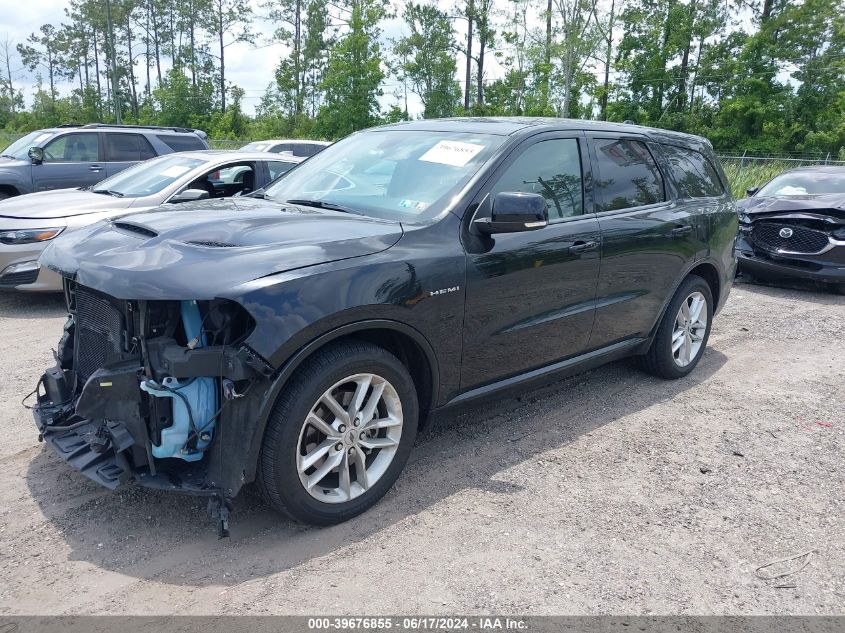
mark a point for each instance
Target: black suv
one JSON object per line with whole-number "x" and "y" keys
{"x": 301, "y": 335}
{"x": 71, "y": 156}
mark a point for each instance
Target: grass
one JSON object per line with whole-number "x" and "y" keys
{"x": 754, "y": 172}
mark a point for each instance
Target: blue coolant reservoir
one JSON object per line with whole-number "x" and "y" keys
{"x": 200, "y": 394}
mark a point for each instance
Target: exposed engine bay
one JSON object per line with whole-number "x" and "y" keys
{"x": 141, "y": 389}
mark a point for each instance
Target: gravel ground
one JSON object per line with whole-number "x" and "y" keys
{"x": 610, "y": 492}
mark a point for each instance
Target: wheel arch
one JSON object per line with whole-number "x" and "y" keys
{"x": 707, "y": 270}
{"x": 402, "y": 340}
{"x": 710, "y": 274}
{"x": 10, "y": 190}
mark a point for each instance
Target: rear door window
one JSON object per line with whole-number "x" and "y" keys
{"x": 277, "y": 168}
{"x": 127, "y": 148}
{"x": 694, "y": 174}
{"x": 628, "y": 175}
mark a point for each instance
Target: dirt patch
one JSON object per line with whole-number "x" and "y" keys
{"x": 610, "y": 492}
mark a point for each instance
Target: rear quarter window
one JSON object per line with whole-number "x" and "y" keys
{"x": 182, "y": 142}
{"x": 694, "y": 174}
{"x": 628, "y": 175}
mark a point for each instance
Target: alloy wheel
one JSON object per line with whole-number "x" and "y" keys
{"x": 349, "y": 438}
{"x": 690, "y": 328}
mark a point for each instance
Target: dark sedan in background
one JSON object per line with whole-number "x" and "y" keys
{"x": 794, "y": 227}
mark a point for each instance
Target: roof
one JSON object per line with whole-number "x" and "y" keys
{"x": 302, "y": 141}
{"x": 823, "y": 169}
{"x": 236, "y": 155}
{"x": 507, "y": 126}
{"x": 118, "y": 127}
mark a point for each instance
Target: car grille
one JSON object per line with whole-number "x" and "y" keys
{"x": 803, "y": 240}
{"x": 99, "y": 332}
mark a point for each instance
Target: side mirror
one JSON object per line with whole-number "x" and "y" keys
{"x": 36, "y": 155}
{"x": 751, "y": 191}
{"x": 190, "y": 195}
{"x": 514, "y": 212}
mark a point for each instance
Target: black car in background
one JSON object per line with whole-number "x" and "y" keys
{"x": 301, "y": 336}
{"x": 793, "y": 227}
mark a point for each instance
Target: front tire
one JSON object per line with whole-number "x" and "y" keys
{"x": 683, "y": 332}
{"x": 339, "y": 434}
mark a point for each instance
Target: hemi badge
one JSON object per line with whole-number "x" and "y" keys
{"x": 105, "y": 384}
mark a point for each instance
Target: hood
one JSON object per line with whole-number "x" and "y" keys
{"x": 833, "y": 202}
{"x": 60, "y": 203}
{"x": 201, "y": 250}
{"x": 5, "y": 161}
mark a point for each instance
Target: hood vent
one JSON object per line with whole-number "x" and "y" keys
{"x": 212, "y": 244}
{"x": 134, "y": 228}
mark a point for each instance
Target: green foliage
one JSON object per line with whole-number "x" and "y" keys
{"x": 427, "y": 59}
{"x": 763, "y": 76}
{"x": 353, "y": 76}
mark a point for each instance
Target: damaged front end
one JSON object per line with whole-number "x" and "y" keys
{"x": 798, "y": 243}
{"x": 145, "y": 391}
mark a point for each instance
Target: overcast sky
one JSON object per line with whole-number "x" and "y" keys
{"x": 248, "y": 66}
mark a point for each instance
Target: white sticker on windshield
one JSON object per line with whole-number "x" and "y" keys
{"x": 791, "y": 190}
{"x": 174, "y": 171}
{"x": 452, "y": 153}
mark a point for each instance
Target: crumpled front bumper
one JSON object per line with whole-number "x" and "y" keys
{"x": 109, "y": 452}
{"x": 828, "y": 267}
{"x": 109, "y": 468}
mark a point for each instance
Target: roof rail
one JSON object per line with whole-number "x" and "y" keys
{"x": 69, "y": 125}
{"x": 199, "y": 133}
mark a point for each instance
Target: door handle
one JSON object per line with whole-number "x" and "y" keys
{"x": 96, "y": 168}
{"x": 681, "y": 230}
{"x": 581, "y": 246}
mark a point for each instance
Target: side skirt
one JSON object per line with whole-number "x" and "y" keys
{"x": 561, "y": 369}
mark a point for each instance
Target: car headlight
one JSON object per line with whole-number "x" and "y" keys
{"x": 29, "y": 236}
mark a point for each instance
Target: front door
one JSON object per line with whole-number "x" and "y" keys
{"x": 70, "y": 160}
{"x": 529, "y": 296}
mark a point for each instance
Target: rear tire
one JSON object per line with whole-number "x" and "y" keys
{"x": 339, "y": 434}
{"x": 682, "y": 335}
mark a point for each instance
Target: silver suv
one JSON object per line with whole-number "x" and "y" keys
{"x": 80, "y": 156}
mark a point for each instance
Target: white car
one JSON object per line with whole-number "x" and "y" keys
{"x": 29, "y": 222}
{"x": 296, "y": 147}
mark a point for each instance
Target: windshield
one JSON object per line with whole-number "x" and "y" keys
{"x": 20, "y": 148}
{"x": 258, "y": 146}
{"x": 149, "y": 177}
{"x": 804, "y": 184}
{"x": 391, "y": 174}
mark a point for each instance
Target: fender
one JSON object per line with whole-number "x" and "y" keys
{"x": 294, "y": 361}
{"x": 686, "y": 271}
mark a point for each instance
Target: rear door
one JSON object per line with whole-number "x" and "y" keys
{"x": 70, "y": 160}
{"x": 648, "y": 238}
{"x": 123, "y": 150}
{"x": 529, "y": 296}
